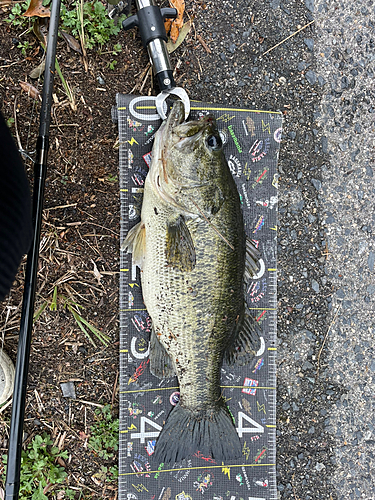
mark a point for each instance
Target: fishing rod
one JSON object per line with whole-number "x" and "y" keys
{"x": 12, "y": 482}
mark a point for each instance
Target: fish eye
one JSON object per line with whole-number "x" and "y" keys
{"x": 214, "y": 142}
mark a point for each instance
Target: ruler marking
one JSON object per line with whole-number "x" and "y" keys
{"x": 195, "y": 468}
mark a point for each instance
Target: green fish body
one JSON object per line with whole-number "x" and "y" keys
{"x": 194, "y": 257}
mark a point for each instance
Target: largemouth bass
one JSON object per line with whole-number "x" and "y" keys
{"x": 194, "y": 259}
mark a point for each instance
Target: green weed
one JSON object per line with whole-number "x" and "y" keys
{"x": 24, "y": 46}
{"x": 98, "y": 27}
{"x": 116, "y": 49}
{"x": 10, "y": 122}
{"x": 107, "y": 474}
{"x": 111, "y": 65}
{"x": 39, "y": 471}
{"x": 16, "y": 18}
{"x": 104, "y": 433}
{"x": 112, "y": 178}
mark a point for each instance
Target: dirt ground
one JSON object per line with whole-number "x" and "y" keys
{"x": 79, "y": 243}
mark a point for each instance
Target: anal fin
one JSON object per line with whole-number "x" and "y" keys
{"x": 245, "y": 341}
{"x": 160, "y": 363}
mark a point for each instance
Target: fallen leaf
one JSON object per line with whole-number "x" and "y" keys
{"x": 175, "y": 24}
{"x": 39, "y": 70}
{"x": 30, "y": 89}
{"x": 61, "y": 462}
{"x": 83, "y": 436}
{"x": 36, "y": 9}
{"x": 97, "y": 274}
{"x": 171, "y": 47}
{"x": 72, "y": 42}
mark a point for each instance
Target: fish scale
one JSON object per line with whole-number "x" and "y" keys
{"x": 178, "y": 289}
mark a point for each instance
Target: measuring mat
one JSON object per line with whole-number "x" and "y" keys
{"x": 251, "y": 143}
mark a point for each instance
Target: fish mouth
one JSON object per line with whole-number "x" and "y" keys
{"x": 178, "y": 130}
{"x": 158, "y": 170}
{"x": 176, "y": 133}
{"x": 176, "y": 116}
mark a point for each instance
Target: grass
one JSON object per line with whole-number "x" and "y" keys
{"x": 59, "y": 300}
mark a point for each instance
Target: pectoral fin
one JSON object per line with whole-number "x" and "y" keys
{"x": 252, "y": 260}
{"x": 135, "y": 243}
{"x": 246, "y": 340}
{"x": 180, "y": 251}
{"x": 160, "y": 363}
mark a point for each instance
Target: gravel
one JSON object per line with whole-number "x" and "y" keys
{"x": 345, "y": 58}
{"x": 322, "y": 80}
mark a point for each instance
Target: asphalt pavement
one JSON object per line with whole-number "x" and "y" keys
{"x": 322, "y": 78}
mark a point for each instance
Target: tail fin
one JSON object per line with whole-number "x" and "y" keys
{"x": 210, "y": 431}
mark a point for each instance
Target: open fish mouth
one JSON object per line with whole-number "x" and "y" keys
{"x": 179, "y": 148}
{"x": 186, "y": 132}
{"x": 158, "y": 170}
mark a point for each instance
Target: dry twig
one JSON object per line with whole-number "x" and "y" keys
{"x": 287, "y": 38}
{"x": 141, "y": 77}
{"x": 204, "y": 44}
{"x": 325, "y": 338}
